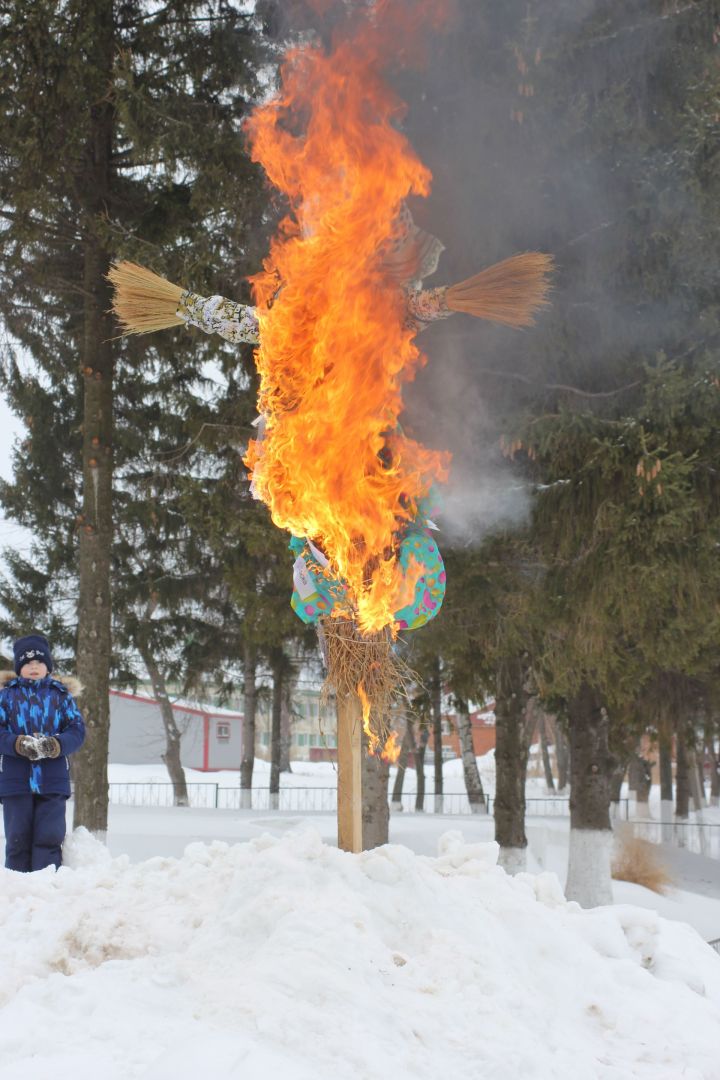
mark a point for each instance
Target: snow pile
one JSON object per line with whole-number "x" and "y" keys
{"x": 284, "y": 957}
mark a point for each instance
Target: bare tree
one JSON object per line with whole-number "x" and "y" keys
{"x": 473, "y": 783}
{"x": 545, "y": 750}
{"x": 247, "y": 763}
{"x": 420, "y": 765}
{"x": 173, "y": 735}
{"x": 407, "y": 747}
{"x": 436, "y": 708}
{"x": 278, "y": 665}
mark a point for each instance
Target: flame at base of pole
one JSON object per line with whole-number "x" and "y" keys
{"x": 367, "y": 665}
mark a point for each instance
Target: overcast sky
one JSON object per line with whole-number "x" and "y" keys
{"x": 10, "y": 431}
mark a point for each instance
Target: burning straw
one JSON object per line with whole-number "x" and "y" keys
{"x": 367, "y": 666}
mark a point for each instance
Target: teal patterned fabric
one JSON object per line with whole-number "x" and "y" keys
{"x": 317, "y": 593}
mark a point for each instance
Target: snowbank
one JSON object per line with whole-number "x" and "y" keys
{"x": 284, "y": 957}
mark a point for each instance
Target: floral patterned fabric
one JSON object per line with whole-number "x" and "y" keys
{"x": 239, "y": 322}
{"x": 410, "y": 253}
{"x": 426, "y": 305}
{"x": 218, "y": 315}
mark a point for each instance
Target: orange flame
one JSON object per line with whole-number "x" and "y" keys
{"x": 336, "y": 348}
{"x": 373, "y": 740}
{"x": 391, "y": 750}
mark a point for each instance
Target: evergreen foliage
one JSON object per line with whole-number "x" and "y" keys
{"x": 153, "y": 98}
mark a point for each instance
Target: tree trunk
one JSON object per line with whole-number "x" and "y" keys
{"x": 616, "y": 782}
{"x": 640, "y": 781}
{"x": 714, "y": 759}
{"x": 275, "y": 733}
{"x": 171, "y": 757}
{"x": 473, "y": 783}
{"x": 406, "y": 747}
{"x": 665, "y": 755}
{"x": 420, "y": 767}
{"x": 96, "y": 525}
{"x": 562, "y": 756}
{"x": 375, "y": 807}
{"x": 247, "y": 764}
{"x": 589, "y": 880}
{"x": 682, "y": 778}
{"x": 436, "y": 706}
{"x": 666, "y": 778}
{"x": 511, "y": 752}
{"x": 545, "y": 750}
{"x": 697, "y": 789}
{"x": 286, "y": 724}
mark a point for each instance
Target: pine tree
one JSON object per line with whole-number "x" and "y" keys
{"x": 119, "y": 136}
{"x": 596, "y": 139}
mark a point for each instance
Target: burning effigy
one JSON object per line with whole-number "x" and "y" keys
{"x": 338, "y": 308}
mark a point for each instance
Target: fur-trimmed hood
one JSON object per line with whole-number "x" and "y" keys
{"x": 72, "y": 684}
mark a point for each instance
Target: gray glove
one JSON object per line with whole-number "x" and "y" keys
{"x": 28, "y": 746}
{"x": 49, "y": 746}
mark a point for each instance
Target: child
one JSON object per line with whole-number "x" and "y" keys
{"x": 40, "y": 724}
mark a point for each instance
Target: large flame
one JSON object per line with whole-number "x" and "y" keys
{"x": 390, "y": 752}
{"x": 336, "y": 348}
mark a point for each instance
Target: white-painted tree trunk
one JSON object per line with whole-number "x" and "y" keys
{"x": 513, "y": 860}
{"x": 667, "y": 815}
{"x": 589, "y": 880}
{"x": 697, "y": 790}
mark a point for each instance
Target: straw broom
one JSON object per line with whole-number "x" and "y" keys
{"x": 510, "y": 292}
{"x": 143, "y": 302}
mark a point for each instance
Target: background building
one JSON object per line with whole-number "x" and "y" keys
{"x": 211, "y": 737}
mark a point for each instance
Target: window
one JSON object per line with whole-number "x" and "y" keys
{"x": 222, "y": 730}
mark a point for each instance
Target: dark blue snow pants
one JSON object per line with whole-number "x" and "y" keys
{"x": 34, "y": 830}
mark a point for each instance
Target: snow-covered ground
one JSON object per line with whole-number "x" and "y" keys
{"x": 282, "y": 958}
{"x": 237, "y": 944}
{"x": 694, "y": 896}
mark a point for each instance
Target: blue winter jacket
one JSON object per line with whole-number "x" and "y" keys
{"x": 37, "y": 707}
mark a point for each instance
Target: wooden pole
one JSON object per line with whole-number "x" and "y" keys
{"x": 350, "y": 750}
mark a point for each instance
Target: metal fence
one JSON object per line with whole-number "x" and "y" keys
{"x": 161, "y": 794}
{"x": 556, "y": 806}
{"x": 214, "y": 796}
{"x": 695, "y": 836}
{"x": 317, "y": 800}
